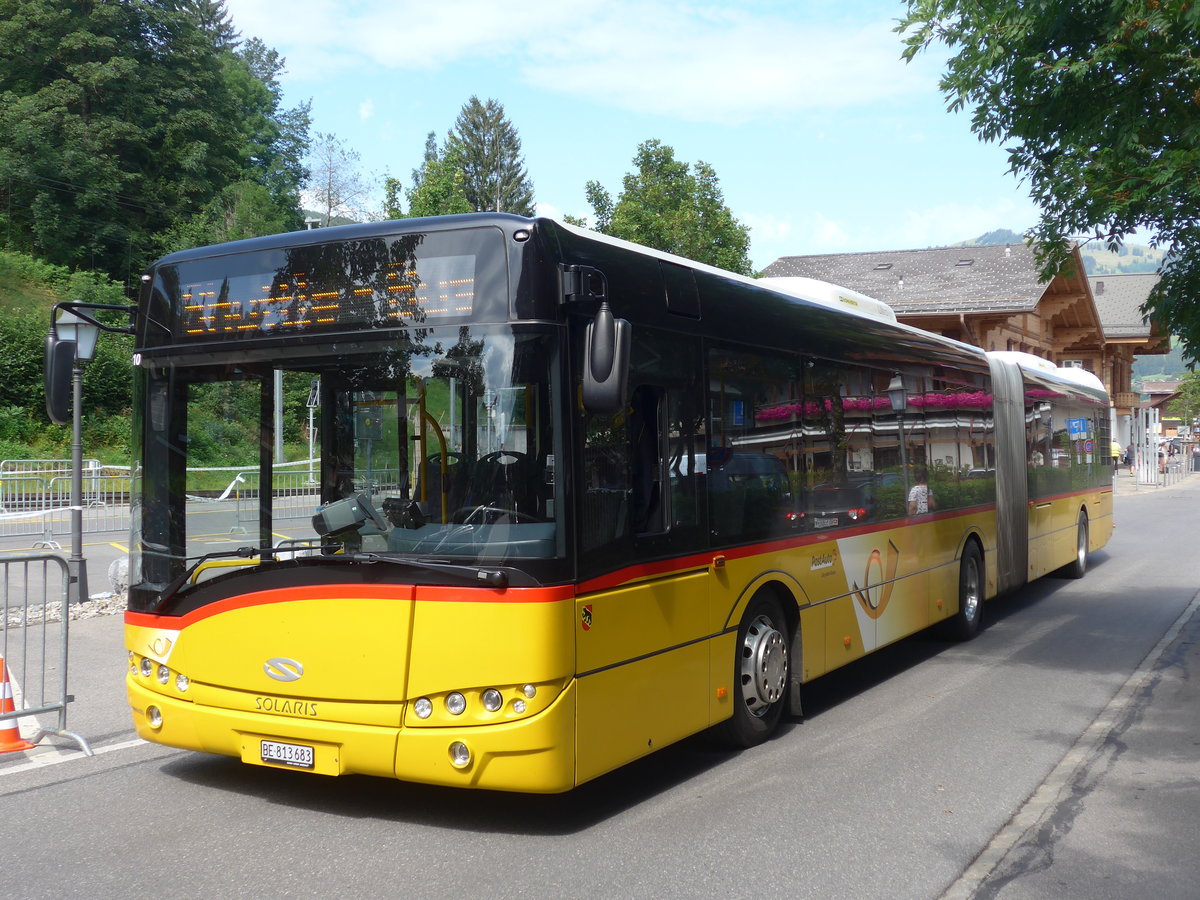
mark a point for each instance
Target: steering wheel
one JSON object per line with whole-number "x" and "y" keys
{"x": 490, "y": 515}
{"x": 373, "y": 515}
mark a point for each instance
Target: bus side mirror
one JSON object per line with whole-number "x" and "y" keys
{"x": 605, "y": 363}
{"x": 60, "y": 362}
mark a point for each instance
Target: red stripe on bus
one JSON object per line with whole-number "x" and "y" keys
{"x": 680, "y": 564}
{"x": 419, "y": 593}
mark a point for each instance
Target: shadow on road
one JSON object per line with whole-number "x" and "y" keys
{"x": 357, "y": 796}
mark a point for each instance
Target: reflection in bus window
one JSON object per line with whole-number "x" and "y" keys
{"x": 755, "y": 435}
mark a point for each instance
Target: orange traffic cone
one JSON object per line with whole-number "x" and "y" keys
{"x": 10, "y": 734}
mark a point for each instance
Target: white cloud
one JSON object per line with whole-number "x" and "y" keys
{"x": 647, "y": 59}
{"x": 773, "y": 236}
{"x": 697, "y": 63}
{"x": 366, "y": 110}
{"x": 949, "y": 223}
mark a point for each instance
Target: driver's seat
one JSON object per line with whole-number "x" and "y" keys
{"x": 503, "y": 480}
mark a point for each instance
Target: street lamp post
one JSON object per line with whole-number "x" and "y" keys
{"x": 898, "y": 398}
{"x": 83, "y": 334}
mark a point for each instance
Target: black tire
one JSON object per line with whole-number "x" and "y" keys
{"x": 1077, "y": 568}
{"x": 965, "y": 623}
{"x": 760, "y": 674}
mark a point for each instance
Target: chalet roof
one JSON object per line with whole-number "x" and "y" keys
{"x": 1118, "y": 300}
{"x": 995, "y": 278}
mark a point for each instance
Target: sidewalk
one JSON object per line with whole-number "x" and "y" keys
{"x": 1117, "y": 818}
{"x": 1124, "y": 483}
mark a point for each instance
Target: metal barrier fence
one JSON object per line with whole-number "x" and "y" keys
{"x": 295, "y": 495}
{"x": 1152, "y": 473}
{"x": 1172, "y": 472}
{"x": 22, "y": 504}
{"x": 43, "y": 467}
{"x": 105, "y": 503}
{"x": 34, "y": 642}
{"x": 35, "y": 496}
{"x": 38, "y": 501}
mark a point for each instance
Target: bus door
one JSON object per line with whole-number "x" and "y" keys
{"x": 643, "y": 604}
{"x": 1040, "y": 461}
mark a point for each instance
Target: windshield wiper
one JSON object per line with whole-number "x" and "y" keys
{"x": 243, "y": 552}
{"x": 171, "y": 589}
{"x": 474, "y": 574}
{"x": 490, "y": 577}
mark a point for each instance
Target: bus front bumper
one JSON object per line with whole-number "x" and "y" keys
{"x": 534, "y": 755}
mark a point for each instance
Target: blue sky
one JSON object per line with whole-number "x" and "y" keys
{"x": 823, "y": 139}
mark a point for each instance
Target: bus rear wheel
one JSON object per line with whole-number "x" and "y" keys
{"x": 760, "y": 671}
{"x": 1078, "y": 566}
{"x": 965, "y": 623}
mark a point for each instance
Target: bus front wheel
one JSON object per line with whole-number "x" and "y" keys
{"x": 760, "y": 672}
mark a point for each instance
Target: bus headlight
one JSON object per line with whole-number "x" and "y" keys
{"x": 423, "y": 708}
{"x": 456, "y": 703}
{"x": 154, "y": 717}
{"x": 492, "y": 701}
{"x": 164, "y": 674}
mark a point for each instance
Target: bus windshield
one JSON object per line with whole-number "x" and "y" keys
{"x": 438, "y": 445}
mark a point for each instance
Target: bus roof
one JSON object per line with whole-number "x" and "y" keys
{"x": 832, "y": 295}
{"x": 1036, "y": 364}
{"x": 810, "y": 289}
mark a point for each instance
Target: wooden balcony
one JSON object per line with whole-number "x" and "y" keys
{"x": 1126, "y": 399}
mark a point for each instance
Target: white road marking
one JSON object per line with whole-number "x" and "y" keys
{"x": 53, "y": 759}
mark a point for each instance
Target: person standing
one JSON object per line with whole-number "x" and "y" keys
{"x": 920, "y": 498}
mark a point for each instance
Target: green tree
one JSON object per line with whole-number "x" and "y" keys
{"x": 488, "y": 150}
{"x": 438, "y": 189}
{"x": 245, "y": 209}
{"x": 433, "y": 154}
{"x": 1187, "y": 405}
{"x": 274, "y": 139}
{"x": 214, "y": 20}
{"x": 668, "y": 206}
{"x": 28, "y": 288}
{"x": 442, "y": 191}
{"x": 118, "y": 120}
{"x": 110, "y": 113}
{"x": 1099, "y": 104}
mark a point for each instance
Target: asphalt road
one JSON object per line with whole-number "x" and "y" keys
{"x": 1048, "y": 757}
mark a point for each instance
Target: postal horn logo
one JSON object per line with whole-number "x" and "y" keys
{"x": 878, "y": 582}
{"x": 283, "y": 669}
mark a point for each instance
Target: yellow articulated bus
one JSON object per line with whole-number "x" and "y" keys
{"x": 495, "y": 502}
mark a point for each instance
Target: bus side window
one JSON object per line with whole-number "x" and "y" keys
{"x": 646, "y": 457}
{"x": 605, "y": 508}
{"x": 754, "y": 401}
